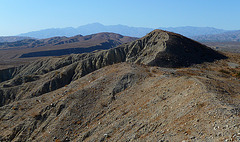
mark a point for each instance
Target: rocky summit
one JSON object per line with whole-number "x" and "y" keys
{"x": 162, "y": 87}
{"x": 166, "y": 49}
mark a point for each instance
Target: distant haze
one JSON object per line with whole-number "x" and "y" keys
{"x": 120, "y": 29}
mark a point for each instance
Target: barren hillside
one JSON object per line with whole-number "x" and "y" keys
{"x": 13, "y": 54}
{"x": 162, "y": 87}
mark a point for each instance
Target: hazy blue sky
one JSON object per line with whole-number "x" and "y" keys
{"x": 19, "y": 16}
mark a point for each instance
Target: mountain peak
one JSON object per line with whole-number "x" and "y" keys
{"x": 96, "y": 24}
{"x": 167, "y": 49}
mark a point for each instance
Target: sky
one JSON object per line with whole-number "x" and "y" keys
{"x": 21, "y": 16}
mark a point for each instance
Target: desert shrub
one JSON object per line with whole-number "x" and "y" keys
{"x": 238, "y": 75}
{"x": 57, "y": 72}
{"x": 104, "y": 104}
{"x": 233, "y": 70}
{"x": 224, "y": 71}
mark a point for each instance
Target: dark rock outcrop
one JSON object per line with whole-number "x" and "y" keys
{"x": 6, "y": 74}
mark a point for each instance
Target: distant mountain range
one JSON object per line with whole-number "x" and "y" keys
{"x": 57, "y": 46}
{"x": 197, "y": 33}
{"x": 194, "y": 31}
{"x": 89, "y": 29}
{"x": 233, "y": 36}
{"x": 75, "y": 41}
{"x": 12, "y": 38}
{"x": 120, "y": 29}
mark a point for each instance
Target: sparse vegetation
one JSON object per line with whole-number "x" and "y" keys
{"x": 224, "y": 71}
{"x": 238, "y": 75}
{"x": 104, "y": 104}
